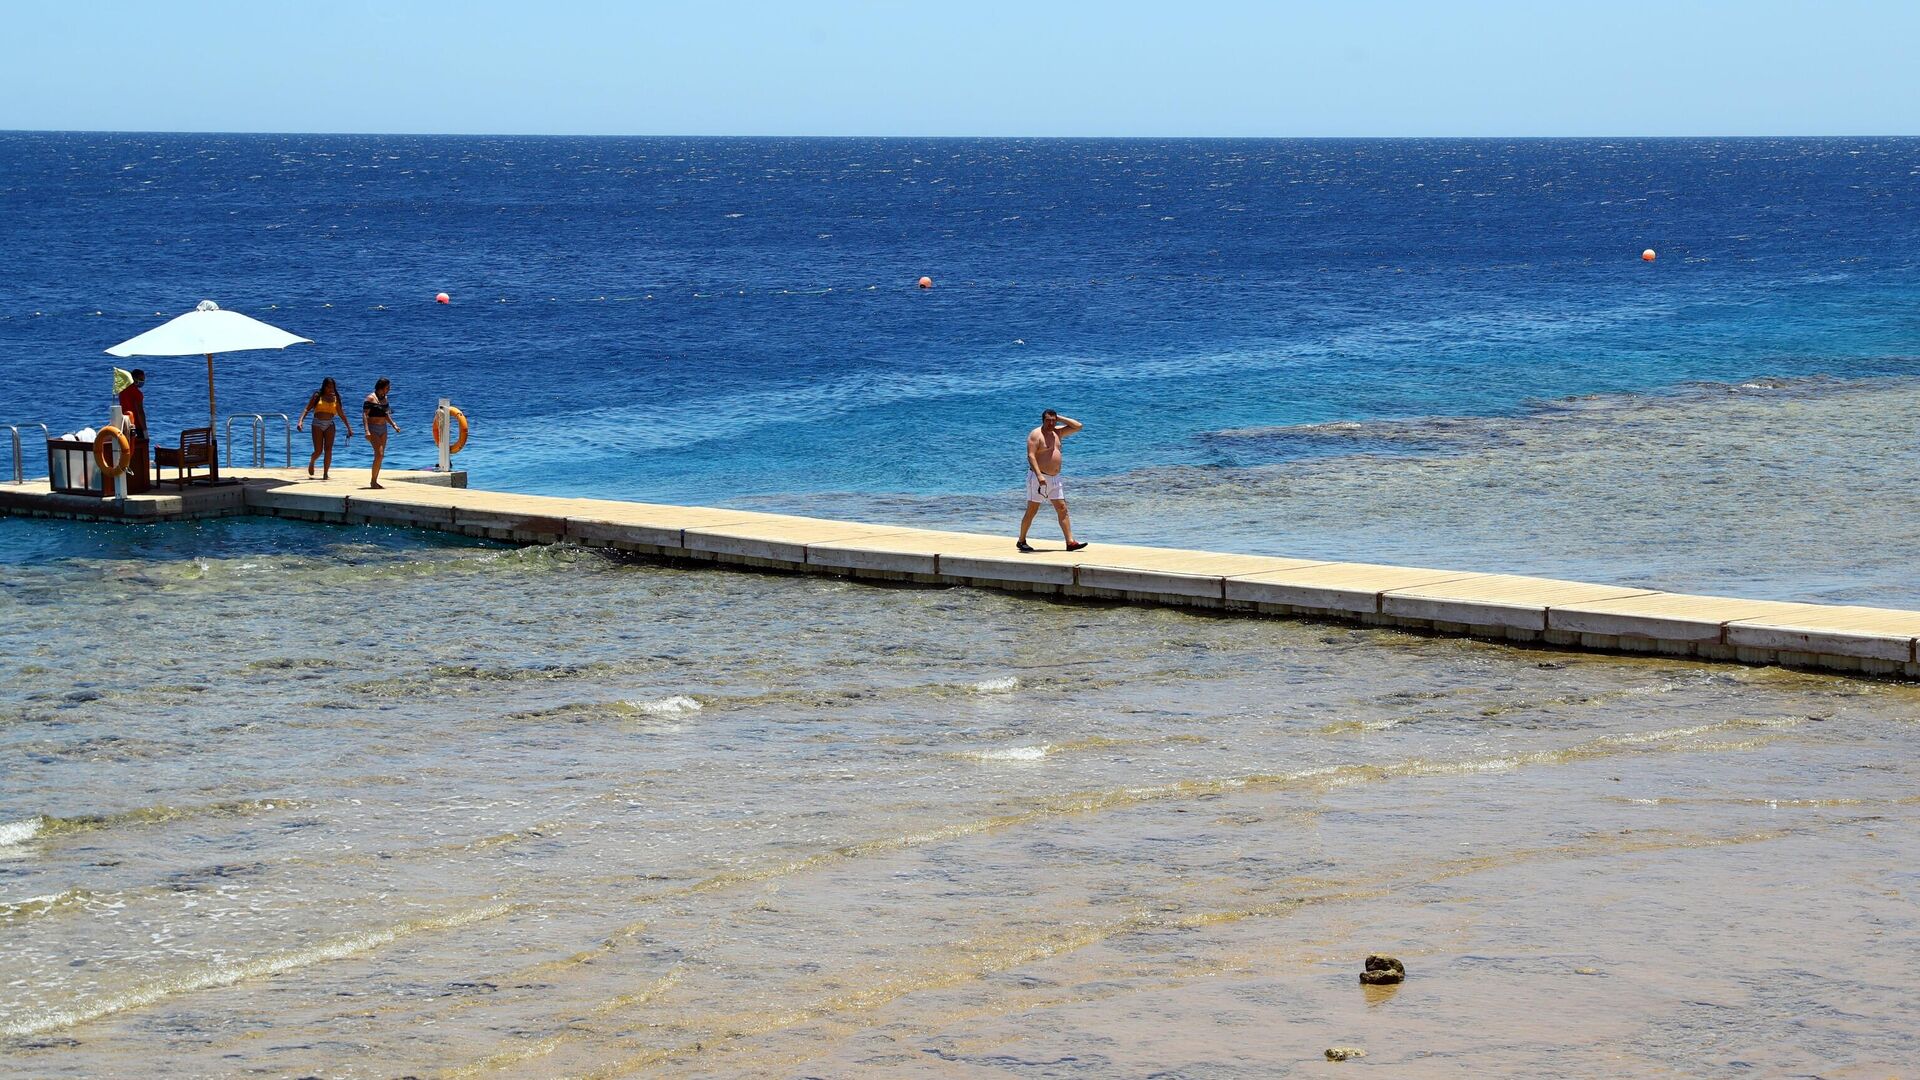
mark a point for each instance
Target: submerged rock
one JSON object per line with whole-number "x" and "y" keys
{"x": 1382, "y": 970}
{"x": 1342, "y": 1053}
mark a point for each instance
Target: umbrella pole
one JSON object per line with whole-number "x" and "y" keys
{"x": 213, "y": 414}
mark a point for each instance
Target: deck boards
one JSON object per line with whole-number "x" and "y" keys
{"x": 1569, "y": 613}
{"x": 1508, "y": 601}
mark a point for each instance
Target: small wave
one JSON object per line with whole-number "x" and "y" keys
{"x": 449, "y": 677}
{"x": 1002, "y": 685}
{"x": 1044, "y": 751}
{"x": 40, "y": 905}
{"x": 1347, "y": 727}
{"x": 667, "y": 706}
{"x": 19, "y": 832}
{"x": 212, "y": 976}
{"x": 295, "y": 663}
{"x": 1013, "y": 753}
{"x": 1676, "y": 734}
{"x": 591, "y": 711}
{"x": 44, "y": 827}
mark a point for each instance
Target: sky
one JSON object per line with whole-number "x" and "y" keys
{"x": 978, "y": 68}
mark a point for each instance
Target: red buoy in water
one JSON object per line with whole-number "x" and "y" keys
{"x": 926, "y": 283}
{"x": 1647, "y": 255}
{"x": 443, "y": 298}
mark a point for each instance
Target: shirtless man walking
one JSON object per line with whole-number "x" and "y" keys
{"x": 1043, "y": 475}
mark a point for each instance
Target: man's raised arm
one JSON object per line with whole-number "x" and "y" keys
{"x": 1067, "y": 425}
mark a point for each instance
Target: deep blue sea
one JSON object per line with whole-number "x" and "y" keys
{"x": 707, "y": 320}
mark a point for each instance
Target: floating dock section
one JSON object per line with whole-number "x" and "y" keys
{"x": 1501, "y": 606}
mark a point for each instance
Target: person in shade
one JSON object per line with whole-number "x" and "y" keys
{"x": 328, "y": 410}
{"x": 133, "y": 402}
{"x": 376, "y": 419}
{"x": 1043, "y": 475}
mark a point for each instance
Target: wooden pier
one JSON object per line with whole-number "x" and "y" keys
{"x": 1503, "y": 606}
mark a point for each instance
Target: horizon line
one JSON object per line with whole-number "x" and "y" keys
{"x": 956, "y": 138}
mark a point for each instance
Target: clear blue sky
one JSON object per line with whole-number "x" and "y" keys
{"x": 965, "y": 67}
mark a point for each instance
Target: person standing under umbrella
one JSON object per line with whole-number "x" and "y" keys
{"x": 133, "y": 402}
{"x": 376, "y": 416}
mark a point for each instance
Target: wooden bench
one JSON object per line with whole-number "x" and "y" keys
{"x": 196, "y": 450}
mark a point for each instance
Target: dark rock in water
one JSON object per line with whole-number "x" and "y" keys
{"x": 1342, "y": 1053}
{"x": 1382, "y": 977}
{"x": 1382, "y": 962}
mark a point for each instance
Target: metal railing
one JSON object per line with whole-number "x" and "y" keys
{"x": 258, "y": 431}
{"x": 19, "y": 463}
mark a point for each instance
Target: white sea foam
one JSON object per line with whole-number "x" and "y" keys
{"x": 1014, "y": 753}
{"x": 667, "y": 706}
{"x": 19, "y": 832}
{"x": 1001, "y": 685}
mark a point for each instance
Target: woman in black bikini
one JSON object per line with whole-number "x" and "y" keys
{"x": 376, "y": 416}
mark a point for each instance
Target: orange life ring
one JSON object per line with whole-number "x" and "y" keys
{"x": 108, "y": 468}
{"x": 460, "y": 418}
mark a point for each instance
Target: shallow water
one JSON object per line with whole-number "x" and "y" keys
{"x": 409, "y": 807}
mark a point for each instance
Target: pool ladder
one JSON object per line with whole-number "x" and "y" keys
{"x": 19, "y": 463}
{"x": 258, "y": 424}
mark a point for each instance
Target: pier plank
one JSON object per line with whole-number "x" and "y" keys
{"x": 906, "y": 551}
{"x": 329, "y": 499}
{"x": 646, "y": 525}
{"x": 427, "y": 506}
{"x": 1197, "y": 562}
{"x": 1502, "y": 601}
{"x": 1662, "y": 616}
{"x": 997, "y": 560}
{"x": 1144, "y": 582}
{"x": 1177, "y": 573}
{"x": 350, "y": 477}
{"x": 777, "y": 539}
{"x": 992, "y": 569}
{"x": 1347, "y": 588}
{"x": 1874, "y": 633}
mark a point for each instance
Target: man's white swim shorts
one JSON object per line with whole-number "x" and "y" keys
{"x": 1044, "y": 489}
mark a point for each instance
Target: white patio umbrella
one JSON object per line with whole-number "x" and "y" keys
{"x": 207, "y": 330}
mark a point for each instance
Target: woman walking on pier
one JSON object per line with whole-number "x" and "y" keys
{"x": 376, "y": 417}
{"x": 327, "y": 409}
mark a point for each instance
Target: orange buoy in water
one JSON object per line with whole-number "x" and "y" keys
{"x": 926, "y": 283}
{"x": 443, "y": 298}
{"x": 1647, "y": 255}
